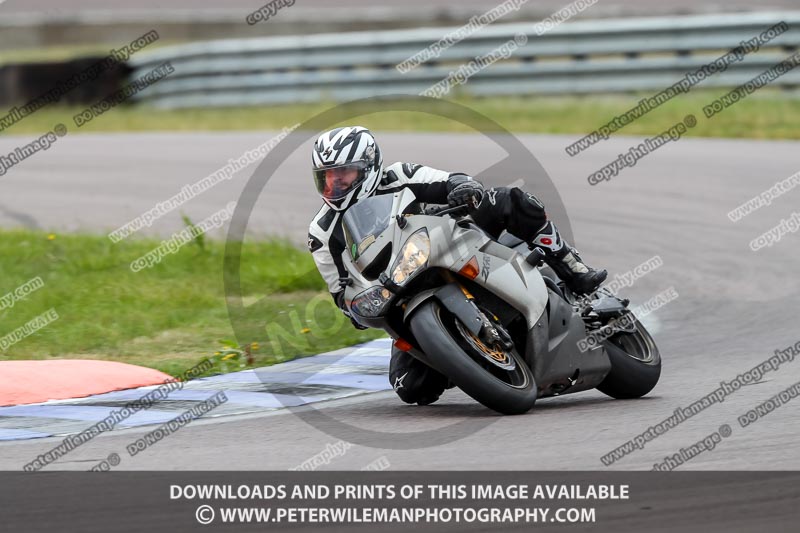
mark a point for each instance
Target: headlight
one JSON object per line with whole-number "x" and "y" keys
{"x": 413, "y": 256}
{"x": 370, "y": 303}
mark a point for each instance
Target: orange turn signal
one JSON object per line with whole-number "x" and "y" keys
{"x": 402, "y": 345}
{"x": 470, "y": 270}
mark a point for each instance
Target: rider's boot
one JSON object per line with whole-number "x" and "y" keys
{"x": 566, "y": 263}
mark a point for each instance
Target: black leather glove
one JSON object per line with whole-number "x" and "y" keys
{"x": 469, "y": 192}
{"x": 338, "y": 297}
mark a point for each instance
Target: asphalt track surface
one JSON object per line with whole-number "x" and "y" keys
{"x": 735, "y": 306}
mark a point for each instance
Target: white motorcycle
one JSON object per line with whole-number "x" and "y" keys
{"x": 486, "y": 313}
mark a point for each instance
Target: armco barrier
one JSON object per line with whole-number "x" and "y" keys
{"x": 596, "y": 56}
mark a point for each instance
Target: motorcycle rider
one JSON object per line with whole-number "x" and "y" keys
{"x": 348, "y": 166}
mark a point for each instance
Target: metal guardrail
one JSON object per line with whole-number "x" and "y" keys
{"x": 597, "y": 56}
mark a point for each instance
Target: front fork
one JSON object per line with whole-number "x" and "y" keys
{"x": 491, "y": 331}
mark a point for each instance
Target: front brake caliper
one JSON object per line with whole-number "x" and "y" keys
{"x": 490, "y": 333}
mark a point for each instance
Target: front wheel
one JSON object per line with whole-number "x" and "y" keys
{"x": 635, "y": 363}
{"x": 498, "y": 379}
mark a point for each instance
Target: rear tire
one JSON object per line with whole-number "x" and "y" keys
{"x": 438, "y": 335}
{"x": 635, "y": 364}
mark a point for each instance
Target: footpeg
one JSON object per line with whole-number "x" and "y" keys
{"x": 536, "y": 257}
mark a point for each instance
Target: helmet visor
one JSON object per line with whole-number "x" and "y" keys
{"x": 334, "y": 183}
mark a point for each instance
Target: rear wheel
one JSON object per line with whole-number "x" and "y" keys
{"x": 498, "y": 378}
{"x": 635, "y": 363}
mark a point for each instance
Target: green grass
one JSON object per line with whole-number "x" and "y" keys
{"x": 52, "y": 53}
{"x": 66, "y": 52}
{"x": 173, "y": 315}
{"x": 767, "y": 114}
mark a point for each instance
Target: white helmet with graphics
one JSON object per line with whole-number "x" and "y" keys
{"x": 347, "y": 166}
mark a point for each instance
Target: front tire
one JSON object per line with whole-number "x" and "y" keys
{"x": 440, "y": 337}
{"x": 635, "y": 364}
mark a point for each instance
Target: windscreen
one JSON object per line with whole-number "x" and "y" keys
{"x": 365, "y": 221}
